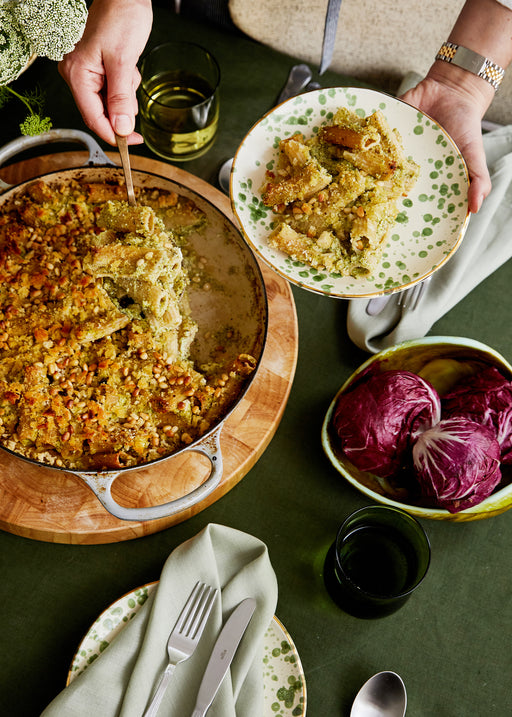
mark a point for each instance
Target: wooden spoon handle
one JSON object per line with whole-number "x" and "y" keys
{"x": 125, "y": 161}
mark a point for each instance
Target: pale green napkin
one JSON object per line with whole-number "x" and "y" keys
{"x": 122, "y": 680}
{"x": 485, "y": 247}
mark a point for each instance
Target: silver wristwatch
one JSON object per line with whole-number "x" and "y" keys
{"x": 472, "y": 62}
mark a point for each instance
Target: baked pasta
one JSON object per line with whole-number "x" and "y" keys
{"x": 335, "y": 195}
{"x": 96, "y": 329}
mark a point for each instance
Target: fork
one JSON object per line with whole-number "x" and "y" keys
{"x": 184, "y": 637}
{"x": 407, "y": 299}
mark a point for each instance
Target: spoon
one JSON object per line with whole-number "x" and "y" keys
{"x": 122, "y": 145}
{"x": 299, "y": 77}
{"x": 383, "y": 695}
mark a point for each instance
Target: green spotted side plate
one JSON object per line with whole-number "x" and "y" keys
{"x": 283, "y": 677}
{"x": 432, "y": 219}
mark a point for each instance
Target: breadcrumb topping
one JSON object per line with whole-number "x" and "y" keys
{"x": 95, "y": 329}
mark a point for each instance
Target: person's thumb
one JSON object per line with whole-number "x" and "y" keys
{"x": 480, "y": 181}
{"x": 123, "y": 124}
{"x": 121, "y": 101}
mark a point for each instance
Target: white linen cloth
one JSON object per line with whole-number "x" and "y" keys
{"x": 122, "y": 680}
{"x": 486, "y": 246}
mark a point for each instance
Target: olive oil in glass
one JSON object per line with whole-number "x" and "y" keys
{"x": 179, "y": 108}
{"x": 179, "y": 115}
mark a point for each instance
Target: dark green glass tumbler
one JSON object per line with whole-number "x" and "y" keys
{"x": 380, "y": 556}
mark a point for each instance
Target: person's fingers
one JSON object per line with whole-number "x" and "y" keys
{"x": 462, "y": 120}
{"x": 480, "y": 182}
{"x": 472, "y": 149}
{"x": 86, "y": 87}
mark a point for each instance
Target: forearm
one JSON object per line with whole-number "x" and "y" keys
{"x": 484, "y": 26}
{"x": 111, "y": 15}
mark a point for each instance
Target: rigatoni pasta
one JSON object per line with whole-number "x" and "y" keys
{"x": 335, "y": 195}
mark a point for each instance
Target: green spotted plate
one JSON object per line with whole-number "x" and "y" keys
{"x": 432, "y": 219}
{"x": 283, "y": 678}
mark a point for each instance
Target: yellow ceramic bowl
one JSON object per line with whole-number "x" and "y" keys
{"x": 422, "y": 356}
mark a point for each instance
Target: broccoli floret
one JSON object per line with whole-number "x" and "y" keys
{"x": 52, "y": 27}
{"x": 15, "y": 49}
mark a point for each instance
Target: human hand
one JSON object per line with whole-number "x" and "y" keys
{"x": 459, "y": 108}
{"x": 102, "y": 69}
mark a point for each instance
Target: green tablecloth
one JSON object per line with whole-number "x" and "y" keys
{"x": 451, "y": 643}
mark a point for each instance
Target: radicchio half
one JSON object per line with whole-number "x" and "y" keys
{"x": 485, "y": 397}
{"x": 378, "y": 419}
{"x": 457, "y": 463}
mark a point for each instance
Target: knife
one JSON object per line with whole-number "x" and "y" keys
{"x": 222, "y": 655}
{"x": 331, "y": 24}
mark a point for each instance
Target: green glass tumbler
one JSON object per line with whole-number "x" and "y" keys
{"x": 379, "y": 558}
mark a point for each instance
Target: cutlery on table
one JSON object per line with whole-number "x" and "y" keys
{"x": 330, "y": 27}
{"x": 375, "y": 306}
{"x": 299, "y": 78}
{"x": 184, "y": 637}
{"x": 222, "y": 655}
{"x": 407, "y": 299}
{"x": 383, "y": 695}
{"x": 122, "y": 145}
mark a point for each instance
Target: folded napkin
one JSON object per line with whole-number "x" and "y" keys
{"x": 485, "y": 247}
{"x": 122, "y": 680}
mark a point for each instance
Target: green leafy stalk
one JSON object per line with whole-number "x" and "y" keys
{"x": 45, "y": 28}
{"x": 34, "y": 123}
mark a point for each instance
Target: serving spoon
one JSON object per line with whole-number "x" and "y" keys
{"x": 383, "y": 695}
{"x": 122, "y": 145}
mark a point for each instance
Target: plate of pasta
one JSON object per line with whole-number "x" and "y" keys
{"x": 350, "y": 192}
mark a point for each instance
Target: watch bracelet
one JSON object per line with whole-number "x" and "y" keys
{"x": 472, "y": 62}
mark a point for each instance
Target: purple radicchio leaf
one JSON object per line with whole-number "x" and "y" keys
{"x": 457, "y": 463}
{"x": 485, "y": 397}
{"x": 378, "y": 419}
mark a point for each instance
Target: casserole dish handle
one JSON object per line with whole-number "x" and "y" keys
{"x": 96, "y": 155}
{"x": 101, "y": 485}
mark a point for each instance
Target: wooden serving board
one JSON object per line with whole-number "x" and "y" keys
{"x": 58, "y": 507}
